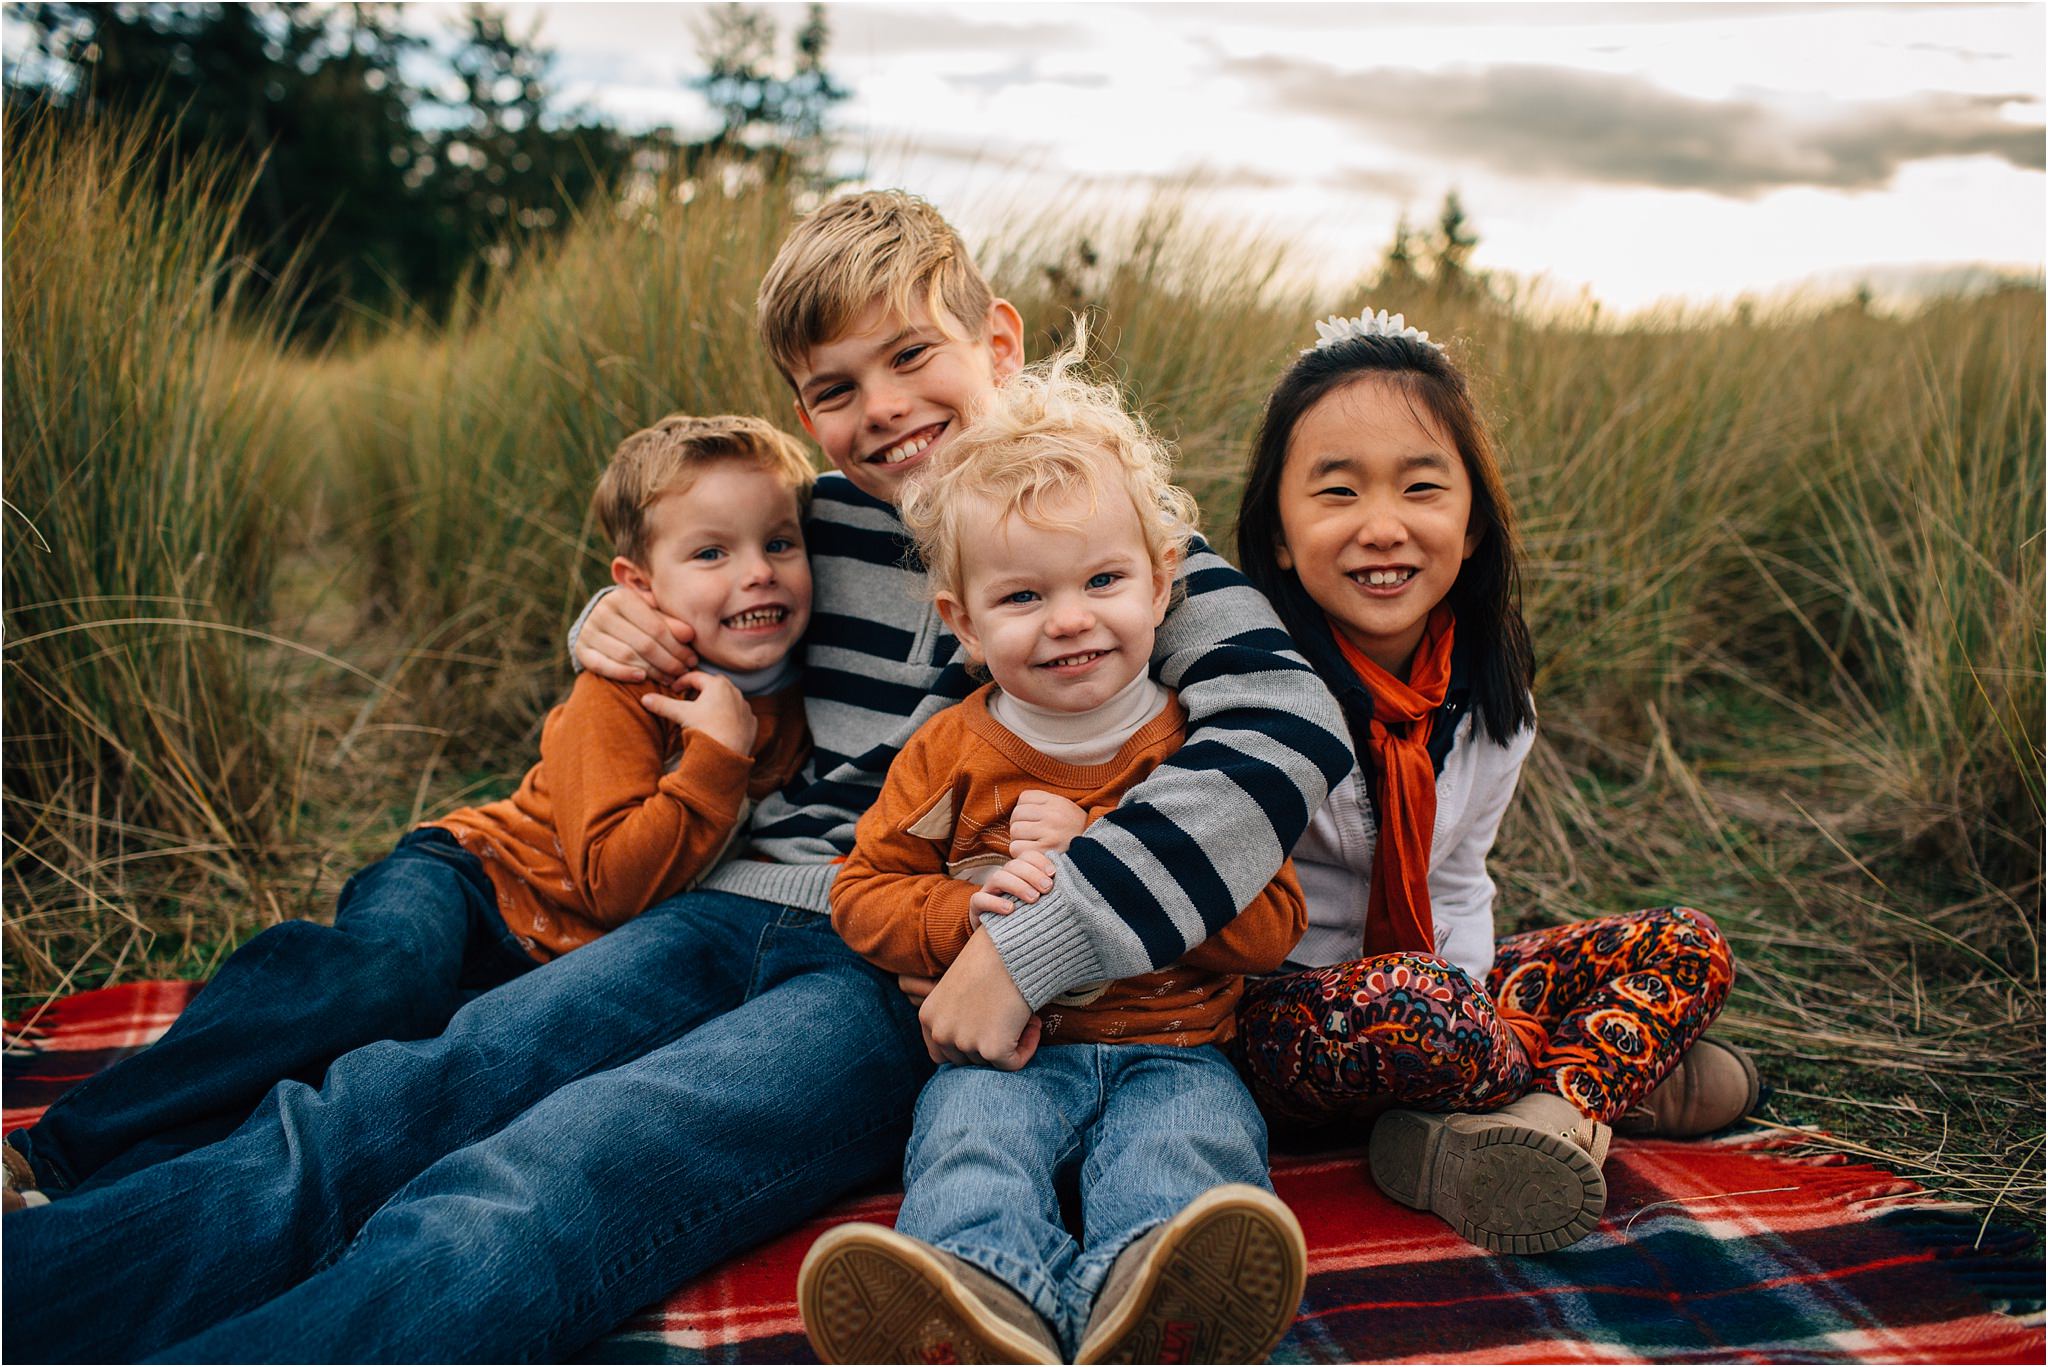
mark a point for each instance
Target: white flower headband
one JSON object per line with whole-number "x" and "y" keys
{"x": 1367, "y": 324}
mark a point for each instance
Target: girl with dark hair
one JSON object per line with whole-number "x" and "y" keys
{"x": 1375, "y": 519}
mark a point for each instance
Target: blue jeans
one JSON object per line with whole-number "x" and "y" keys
{"x": 571, "y": 1147}
{"x": 1145, "y": 1129}
{"x": 415, "y": 935}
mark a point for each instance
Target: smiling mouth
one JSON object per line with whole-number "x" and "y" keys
{"x": 1076, "y": 661}
{"x": 910, "y": 447}
{"x": 756, "y": 619}
{"x": 1391, "y": 578}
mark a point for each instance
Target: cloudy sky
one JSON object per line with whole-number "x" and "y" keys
{"x": 1637, "y": 151}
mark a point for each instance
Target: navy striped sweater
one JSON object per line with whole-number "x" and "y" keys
{"x": 1185, "y": 851}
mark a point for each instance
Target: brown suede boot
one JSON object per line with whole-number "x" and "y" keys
{"x": 869, "y": 1294}
{"x": 1523, "y": 1179}
{"x": 1713, "y": 1086}
{"x": 1219, "y": 1282}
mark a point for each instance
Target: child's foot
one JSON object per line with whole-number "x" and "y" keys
{"x": 1219, "y": 1282}
{"x": 1713, "y": 1086}
{"x": 869, "y": 1294}
{"x": 1522, "y": 1179}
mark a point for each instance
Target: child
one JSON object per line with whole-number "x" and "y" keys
{"x": 1375, "y": 519}
{"x": 628, "y": 804}
{"x": 1050, "y": 542}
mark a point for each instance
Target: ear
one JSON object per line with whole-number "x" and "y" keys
{"x": 1005, "y": 338}
{"x": 1473, "y": 536}
{"x": 803, "y": 416}
{"x": 1285, "y": 558}
{"x": 1162, "y": 584}
{"x": 633, "y": 579}
{"x": 954, "y": 614}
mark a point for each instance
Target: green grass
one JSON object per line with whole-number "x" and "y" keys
{"x": 1785, "y": 574}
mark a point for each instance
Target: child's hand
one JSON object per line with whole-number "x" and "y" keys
{"x": 627, "y": 640}
{"x": 717, "y": 709}
{"x": 1025, "y": 878}
{"x": 976, "y": 1015}
{"x": 1043, "y": 821}
{"x": 914, "y": 987}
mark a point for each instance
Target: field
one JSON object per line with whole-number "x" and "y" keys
{"x": 266, "y": 606}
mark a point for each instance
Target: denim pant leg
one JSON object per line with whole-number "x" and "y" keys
{"x": 285, "y": 1005}
{"x": 985, "y": 1152}
{"x": 124, "y": 1269}
{"x": 610, "y": 1193}
{"x": 1175, "y": 1123}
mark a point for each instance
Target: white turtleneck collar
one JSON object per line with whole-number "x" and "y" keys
{"x": 1090, "y": 737}
{"x": 755, "y": 683}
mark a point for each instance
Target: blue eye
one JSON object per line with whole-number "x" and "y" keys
{"x": 708, "y": 554}
{"x": 1021, "y": 596}
{"x": 779, "y": 545}
{"x": 912, "y": 353}
{"x": 1103, "y": 580}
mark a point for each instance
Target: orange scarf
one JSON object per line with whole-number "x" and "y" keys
{"x": 1397, "y": 915}
{"x": 1397, "y": 911}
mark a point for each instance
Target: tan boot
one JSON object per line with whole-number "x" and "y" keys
{"x": 1523, "y": 1179}
{"x": 1713, "y": 1086}
{"x": 1219, "y": 1282}
{"x": 869, "y": 1294}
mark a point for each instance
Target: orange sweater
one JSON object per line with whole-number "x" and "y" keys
{"x": 944, "y": 813}
{"x": 605, "y": 825}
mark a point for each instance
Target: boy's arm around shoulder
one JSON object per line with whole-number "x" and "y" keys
{"x": 1207, "y": 830}
{"x": 631, "y": 834}
{"x": 1259, "y": 938}
{"x": 893, "y": 901}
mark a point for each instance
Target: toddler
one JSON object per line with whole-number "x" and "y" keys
{"x": 1050, "y": 536}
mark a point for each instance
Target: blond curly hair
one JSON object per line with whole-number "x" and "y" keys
{"x": 1047, "y": 435}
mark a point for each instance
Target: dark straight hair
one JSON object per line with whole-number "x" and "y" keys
{"x": 1487, "y": 595}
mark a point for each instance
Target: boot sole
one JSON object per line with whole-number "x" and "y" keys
{"x": 1502, "y": 1186}
{"x": 1223, "y": 1284}
{"x": 868, "y": 1294}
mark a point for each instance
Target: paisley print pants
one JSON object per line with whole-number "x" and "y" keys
{"x": 1621, "y": 997}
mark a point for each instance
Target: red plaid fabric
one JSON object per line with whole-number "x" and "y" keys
{"x": 1733, "y": 1251}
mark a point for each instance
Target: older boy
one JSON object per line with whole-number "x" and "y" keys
{"x": 723, "y": 1065}
{"x": 628, "y": 804}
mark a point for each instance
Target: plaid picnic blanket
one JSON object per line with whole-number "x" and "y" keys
{"x": 1728, "y": 1251}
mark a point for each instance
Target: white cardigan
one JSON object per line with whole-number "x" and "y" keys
{"x": 1334, "y": 857}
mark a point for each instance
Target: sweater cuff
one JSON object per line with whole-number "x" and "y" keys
{"x": 948, "y": 924}
{"x": 712, "y": 772}
{"x": 576, "y": 627}
{"x": 1045, "y": 949}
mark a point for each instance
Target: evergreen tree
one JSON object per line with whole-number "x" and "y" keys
{"x": 771, "y": 112}
{"x": 1454, "y": 243}
{"x": 381, "y": 188}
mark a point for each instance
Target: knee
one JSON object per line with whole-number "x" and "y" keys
{"x": 1702, "y": 959}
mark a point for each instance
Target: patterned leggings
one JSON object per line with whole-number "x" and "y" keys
{"x": 1622, "y": 997}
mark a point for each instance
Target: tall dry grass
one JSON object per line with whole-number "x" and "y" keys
{"x": 468, "y": 451}
{"x": 147, "y": 465}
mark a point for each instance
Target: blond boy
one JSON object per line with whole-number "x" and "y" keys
{"x": 723, "y": 1065}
